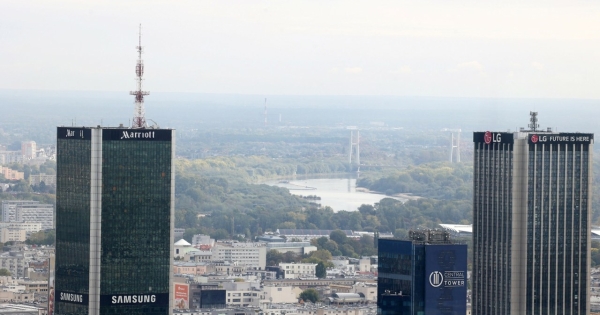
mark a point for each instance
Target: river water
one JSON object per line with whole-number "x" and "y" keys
{"x": 337, "y": 193}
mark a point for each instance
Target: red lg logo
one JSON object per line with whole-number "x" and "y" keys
{"x": 534, "y": 138}
{"x": 487, "y": 137}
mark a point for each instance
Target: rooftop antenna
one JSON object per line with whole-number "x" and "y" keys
{"x": 533, "y": 125}
{"x": 139, "y": 115}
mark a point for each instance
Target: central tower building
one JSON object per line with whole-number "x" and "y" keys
{"x": 531, "y": 212}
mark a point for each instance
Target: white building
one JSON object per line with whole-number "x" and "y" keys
{"x": 277, "y": 294}
{"x": 12, "y": 235}
{"x": 42, "y": 213}
{"x": 13, "y": 262}
{"x": 296, "y": 271}
{"x": 299, "y": 248}
{"x": 28, "y": 150}
{"x": 9, "y": 208}
{"x": 29, "y": 227}
{"x": 244, "y": 254}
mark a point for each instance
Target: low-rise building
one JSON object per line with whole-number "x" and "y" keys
{"x": 49, "y": 180}
{"x": 29, "y": 227}
{"x": 244, "y": 254}
{"x": 297, "y": 271}
{"x": 13, "y": 262}
{"x": 12, "y": 235}
{"x": 279, "y": 294}
{"x": 11, "y": 174}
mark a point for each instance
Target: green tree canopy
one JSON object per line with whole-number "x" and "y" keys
{"x": 310, "y": 295}
{"x": 320, "y": 270}
{"x": 5, "y": 272}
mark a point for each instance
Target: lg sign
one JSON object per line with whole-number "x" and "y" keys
{"x": 490, "y": 137}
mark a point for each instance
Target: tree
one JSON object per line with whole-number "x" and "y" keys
{"x": 339, "y": 237}
{"x": 310, "y": 295}
{"x": 323, "y": 255}
{"x": 5, "y": 272}
{"x": 274, "y": 257}
{"x": 320, "y": 270}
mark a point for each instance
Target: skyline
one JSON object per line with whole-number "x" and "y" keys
{"x": 431, "y": 49}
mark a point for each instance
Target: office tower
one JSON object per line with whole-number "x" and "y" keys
{"x": 114, "y": 220}
{"x": 426, "y": 274}
{"x": 531, "y": 212}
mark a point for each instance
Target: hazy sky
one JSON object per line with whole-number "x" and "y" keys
{"x": 416, "y": 48}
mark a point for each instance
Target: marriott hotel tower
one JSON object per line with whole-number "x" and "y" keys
{"x": 531, "y": 212}
{"x": 114, "y": 220}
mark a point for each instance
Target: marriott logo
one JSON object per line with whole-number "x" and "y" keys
{"x": 137, "y": 135}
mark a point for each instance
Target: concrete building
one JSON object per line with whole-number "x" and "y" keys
{"x": 244, "y": 254}
{"x": 14, "y": 262}
{"x": 11, "y": 174}
{"x": 49, "y": 180}
{"x": 36, "y": 213}
{"x": 29, "y": 213}
{"x": 297, "y": 271}
{"x": 10, "y": 157}
{"x": 279, "y": 294}
{"x": 531, "y": 222}
{"x": 299, "y": 248}
{"x": 29, "y": 227}
{"x": 28, "y": 150}
{"x": 12, "y": 235}
{"x": 115, "y": 218}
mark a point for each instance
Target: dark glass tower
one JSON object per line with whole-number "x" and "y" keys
{"x": 531, "y": 212}
{"x": 424, "y": 275}
{"x": 114, "y": 219}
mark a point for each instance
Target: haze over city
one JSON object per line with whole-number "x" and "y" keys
{"x": 539, "y": 49}
{"x": 290, "y": 157}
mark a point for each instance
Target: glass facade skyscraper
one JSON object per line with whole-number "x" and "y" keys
{"x": 417, "y": 277}
{"x": 531, "y": 212}
{"x": 114, "y": 220}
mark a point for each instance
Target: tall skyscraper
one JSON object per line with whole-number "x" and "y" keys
{"x": 424, "y": 275}
{"x": 114, "y": 220}
{"x": 531, "y": 212}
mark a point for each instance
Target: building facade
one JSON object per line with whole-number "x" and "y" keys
{"x": 421, "y": 276}
{"x": 114, "y": 213}
{"x": 243, "y": 254}
{"x": 531, "y": 212}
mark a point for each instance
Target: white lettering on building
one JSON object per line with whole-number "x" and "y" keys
{"x": 133, "y": 299}
{"x": 137, "y": 135}
{"x": 70, "y": 297}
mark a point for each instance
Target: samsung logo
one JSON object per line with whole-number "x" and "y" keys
{"x": 137, "y": 135}
{"x": 70, "y": 297}
{"x": 133, "y": 299}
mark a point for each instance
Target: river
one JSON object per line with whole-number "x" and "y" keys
{"x": 337, "y": 193}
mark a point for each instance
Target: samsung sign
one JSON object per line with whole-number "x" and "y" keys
{"x": 135, "y": 299}
{"x": 71, "y": 297}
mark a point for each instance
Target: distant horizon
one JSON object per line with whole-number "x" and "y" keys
{"x": 148, "y": 98}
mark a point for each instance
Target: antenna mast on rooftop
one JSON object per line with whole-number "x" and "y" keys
{"x": 533, "y": 125}
{"x": 139, "y": 114}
